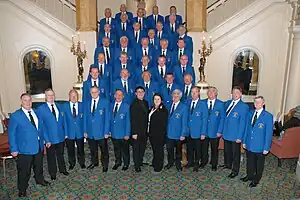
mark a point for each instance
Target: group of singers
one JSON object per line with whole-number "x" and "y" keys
{"x": 151, "y": 97}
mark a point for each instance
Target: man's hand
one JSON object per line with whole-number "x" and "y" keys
{"x": 106, "y": 136}
{"x": 238, "y": 141}
{"x": 219, "y": 135}
{"x": 182, "y": 138}
{"x": 244, "y": 146}
{"x": 134, "y": 137}
{"x": 85, "y": 135}
{"x": 265, "y": 152}
{"x": 202, "y": 137}
{"x": 48, "y": 144}
{"x": 14, "y": 154}
{"x": 126, "y": 138}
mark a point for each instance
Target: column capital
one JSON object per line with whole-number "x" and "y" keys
{"x": 86, "y": 17}
{"x": 196, "y": 15}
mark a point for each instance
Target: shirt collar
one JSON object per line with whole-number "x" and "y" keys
{"x": 124, "y": 80}
{"x": 119, "y": 103}
{"x": 169, "y": 85}
{"x": 236, "y": 101}
{"x": 49, "y": 104}
{"x": 182, "y": 36}
{"x": 196, "y": 101}
{"x": 147, "y": 83}
{"x": 259, "y": 111}
{"x": 189, "y": 86}
{"x": 26, "y": 111}
{"x": 97, "y": 99}
{"x": 176, "y": 104}
{"x": 181, "y": 49}
{"x": 161, "y": 66}
{"x": 145, "y": 67}
{"x": 71, "y": 103}
{"x": 94, "y": 80}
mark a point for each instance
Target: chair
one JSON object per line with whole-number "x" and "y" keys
{"x": 288, "y": 146}
{"x": 4, "y": 151}
{"x": 221, "y": 145}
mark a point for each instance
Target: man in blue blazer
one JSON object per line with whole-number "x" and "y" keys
{"x": 234, "y": 130}
{"x": 187, "y": 88}
{"x": 153, "y": 41}
{"x": 107, "y": 20}
{"x": 141, "y": 19}
{"x": 173, "y": 11}
{"x": 123, "y": 27}
{"x": 182, "y": 69}
{"x": 145, "y": 66}
{"x": 94, "y": 80}
{"x": 187, "y": 39}
{"x": 160, "y": 33}
{"x": 216, "y": 116}
{"x": 26, "y": 142}
{"x": 257, "y": 140}
{"x": 154, "y": 18}
{"x": 96, "y": 128}
{"x": 150, "y": 87}
{"x": 181, "y": 50}
{"x": 123, "y": 10}
{"x": 164, "y": 50}
{"x": 105, "y": 71}
{"x": 124, "y": 47}
{"x": 177, "y": 129}
{"x": 123, "y": 63}
{"x": 120, "y": 130}
{"x": 73, "y": 124}
{"x": 197, "y": 128}
{"x": 167, "y": 89}
{"x": 144, "y": 50}
{"x": 108, "y": 34}
{"x": 160, "y": 71}
{"x": 52, "y": 116}
{"x": 135, "y": 36}
{"x": 171, "y": 29}
{"x": 125, "y": 84}
{"x": 107, "y": 50}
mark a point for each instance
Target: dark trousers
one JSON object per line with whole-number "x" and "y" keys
{"x": 94, "y": 152}
{"x": 71, "y": 151}
{"x": 139, "y": 147}
{"x": 121, "y": 149}
{"x": 194, "y": 151}
{"x": 171, "y": 144}
{"x": 214, "y": 144}
{"x": 56, "y": 153}
{"x": 24, "y": 165}
{"x": 232, "y": 155}
{"x": 255, "y": 166}
{"x": 157, "y": 145}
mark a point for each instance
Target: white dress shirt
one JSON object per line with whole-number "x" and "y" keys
{"x": 159, "y": 33}
{"x": 144, "y": 67}
{"x": 35, "y": 119}
{"x": 108, "y": 19}
{"x": 55, "y": 108}
{"x": 125, "y": 25}
{"x": 189, "y": 88}
{"x": 92, "y": 104}
{"x": 182, "y": 36}
{"x": 124, "y": 49}
{"x": 235, "y": 102}
{"x": 258, "y": 114}
{"x": 125, "y": 66}
{"x": 164, "y": 52}
{"x": 164, "y": 68}
{"x": 151, "y": 40}
{"x": 182, "y": 50}
{"x": 106, "y": 49}
{"x": 119, "y": 104}
{"x": 101, "y": 66}
{"x": 76, "y": 107}
{"x": 149, "y": 117}
{"x": 107, "y": 34}
{"x": 175, "y": 105}
{"x": 138, "y": 35}
{"x": 147, "y": 83}
{"x": 93, "y": 81}
{"x": 196, "y": 101}
{"x": 140, "y": 19}
{"x": 183, "y": 66}
{"x": 125, "y": 82}
{"x": 147, "y": 50}
{"x": 212, "y": 103}
{"x": 169, "y": 85}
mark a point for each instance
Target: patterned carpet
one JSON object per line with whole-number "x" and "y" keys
{"x": 277, "y": 183}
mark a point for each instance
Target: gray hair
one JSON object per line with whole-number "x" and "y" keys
{"x": 177, "y": 91}
{"x": 259, "y": 97}
{"x": 214, "y": 89}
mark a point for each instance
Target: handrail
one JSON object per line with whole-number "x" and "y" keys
{"x": 215, "y": 5}
{"x": 69, "y": 4}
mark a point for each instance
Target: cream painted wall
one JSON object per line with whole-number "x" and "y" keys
{"x": 20, "y": 33}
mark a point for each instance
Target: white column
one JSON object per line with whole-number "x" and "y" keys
{"x": 292, "y": 98}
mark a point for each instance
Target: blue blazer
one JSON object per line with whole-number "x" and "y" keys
{"x": 216, "y": 119}
{"x": 179, "y": 75}
{"x": 197, "y": 121}
{"x": 153, "y": 88}
{"x": 173, "y": 36}
{"x": 235, "y": 122}
{"x": 185, "y": 99}
{"x": 187, "y": 52}
{"x": 23, "y": 136}
{"x": 132, "y": 40}
{"x": 156, "y": 75}
{"x": 139, "y": 71}
{"x": 120, "y": 125}
{"x": 130, "y": 53}
{"x": 54, "y": 130}
{"x": 164, "y": 35}
{"x": 129, "y": 14}
{"x": 73, "y": 127}
{"x": 118, "y": 67}
{"x": 101, "y": 50}
{"x": 120, "y": 32}
{"x": 156, "y": 43}
{"x": 177, "y": 122}
{"x": 259, "y": 137}
{"x": 106, "y": 78}
{"x": 145, "y": 23}
{"x": 96, "y": 127}
{"x": 139, "y": 54}
{"x": 178, "y": 19}
{"x": 167, "y": 98}
{"x": 113, "y": 39}
{"x": 152, "y": 23}
{"x": 128, "y": 97}
{"x": 169, "y": 58}
{"x": 104, "y": 89}
{"x": 188, "y": 43}
{"x": 103, "y": 22}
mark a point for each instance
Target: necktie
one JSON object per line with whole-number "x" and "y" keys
{"x": 173, "y": 29}
{"x": 136, "y": 36}
{"x": 125, "y": 87}
{"x": 107, "y": 35}
{"x": 123, "y": 49}
{"x": 95, "y": 84}
{"x": 155, "y": 19}
{"x": 94, "y": 108}
{"x": 144, "y": 68}
{"x": 145, "y": 52}
{"x": 164, "y": 53}
{"x": 229, "y": 109}
{"x": 74, "y": 111}
{"x": 123, "y": 66}
{"x": 107, "y": 21}
{"x": 140, "y": 21}
{"x": 31, "y": 119}
{"x": 173, "y": 108}
{"x": 169, "y": 89}
{"x": 193, "y": 107}
{"x": 254, "y": 119}
{"x": 162, "y": 72}
{"x": 107, "y": 55}
{"x": 210, "y": 107}
{"x": 147, "y": 88}
{"x": 151, "y": 42}
{"x": 101, "y": 71}
{"x": 183, "y": 70}
{"x": 186, "y": 91}
{"x": 116, "y": 109}
{"x": 180, "y": 53}
{"x": 53, "y": 110}
{"x": 123, "y": 27}
{"x": 159, "y": 35}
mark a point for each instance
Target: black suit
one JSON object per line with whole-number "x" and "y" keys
{"x": 157, "y": 134}
{"x": 139, "y": 125}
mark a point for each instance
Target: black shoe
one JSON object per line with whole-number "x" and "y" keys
{"x": 179, "y": 168}
{"x": 202, "y": 165}
{"x": 92, "y": 166}
{"x": 65, "y": 173}
{"x": 71, "y": 167}
{"x": 22, "y": 194}
{"x": 83, "y": 166}
{"x": 253, "y": 184}
{"x": 245, "y": 179}
{"x": 168, "y": 166}
{"x": 224, "y": 166}
{"x": 232, "y": 175}
{"x": 104, "y": 169}
{"x": 138, "y": 169}
{"x": 214, "y": 169}
{"x": 53, "y": 178}
{"x": 195, "y": 169}
{"x": 44, "y": 183}
{"x": 125, "y": 167}
{"x": 115, "y": 167}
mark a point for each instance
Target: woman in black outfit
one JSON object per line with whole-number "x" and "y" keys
{"x": 158, "y": 119}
